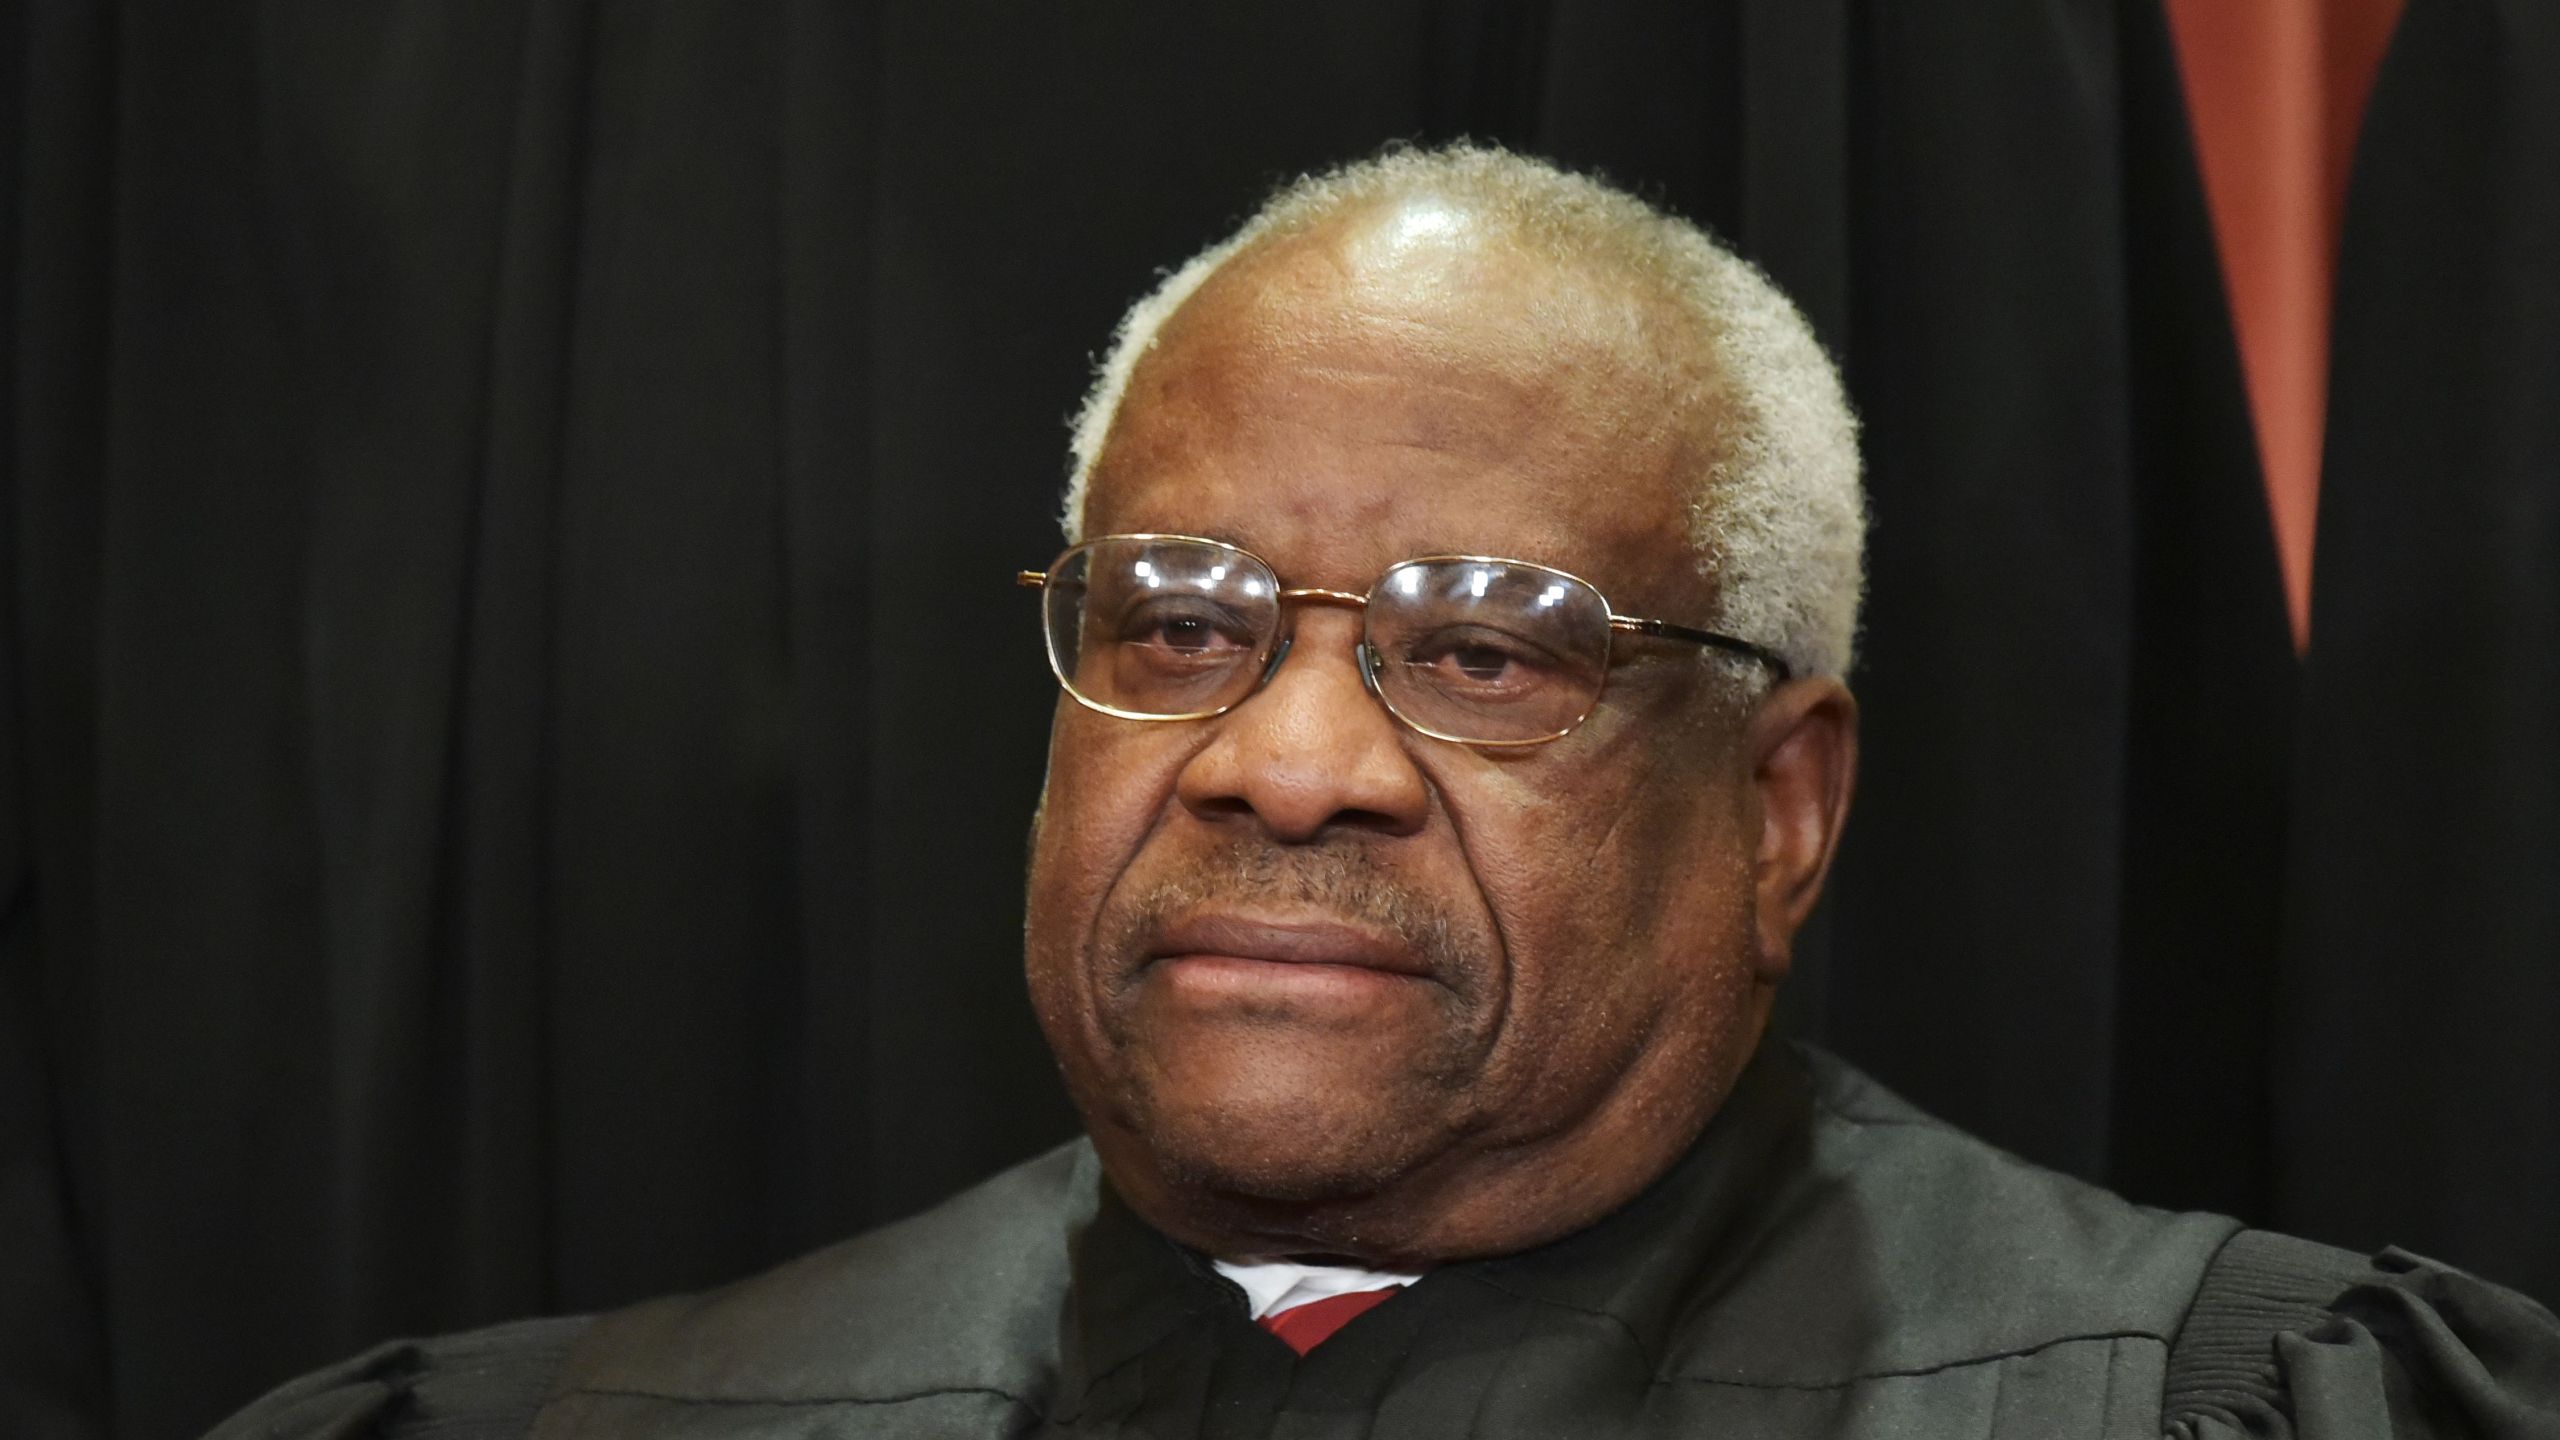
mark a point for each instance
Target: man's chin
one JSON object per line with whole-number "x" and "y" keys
{"x": 1254, "y": 1150}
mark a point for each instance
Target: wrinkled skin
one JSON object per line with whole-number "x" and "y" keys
{"x": 1322, "y": 986}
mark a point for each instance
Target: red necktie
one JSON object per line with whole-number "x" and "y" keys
{"x": 1304, "y": 1327}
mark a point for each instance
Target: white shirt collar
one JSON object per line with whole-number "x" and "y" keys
{"x": 1271, "y": 1286}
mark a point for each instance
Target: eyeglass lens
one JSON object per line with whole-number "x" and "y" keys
{"x": 1493, "y": 651}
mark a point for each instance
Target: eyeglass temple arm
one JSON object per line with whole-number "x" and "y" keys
{"x": 1778, "y": 667}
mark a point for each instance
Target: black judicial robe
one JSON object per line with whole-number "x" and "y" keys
{"x": 1826, "y": 1261}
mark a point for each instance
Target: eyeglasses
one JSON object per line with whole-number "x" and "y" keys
{"x": 1466, "y": 648}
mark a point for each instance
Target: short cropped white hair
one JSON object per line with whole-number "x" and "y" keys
{"x": 1777, "y": 519}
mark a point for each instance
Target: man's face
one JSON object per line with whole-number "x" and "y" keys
{"x": 1321, "y": 984}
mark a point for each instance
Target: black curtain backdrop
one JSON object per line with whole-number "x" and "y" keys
{"x": 516, "y": 737}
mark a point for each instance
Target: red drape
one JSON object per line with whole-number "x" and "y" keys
{"x": 2276, "y": 89}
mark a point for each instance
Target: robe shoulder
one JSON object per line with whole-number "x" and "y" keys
{"x": 2291, "y": 1340}
{"x": 478, "y": 1385}
{"x": 1974, "y": 1256}
{"x": 960, "y": 1300}
{"x": 955, "y": 1312}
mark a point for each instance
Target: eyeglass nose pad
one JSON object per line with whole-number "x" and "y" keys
{"x": 1368, "y": 654}
{"x": 1271, "y": 666}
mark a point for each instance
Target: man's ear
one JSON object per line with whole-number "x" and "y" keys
{"x": 1802, "y": 744}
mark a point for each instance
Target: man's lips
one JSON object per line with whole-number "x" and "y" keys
{"x": 1286, "y": 942}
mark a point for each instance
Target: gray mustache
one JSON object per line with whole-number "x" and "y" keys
{"x": 1343, "y": 880}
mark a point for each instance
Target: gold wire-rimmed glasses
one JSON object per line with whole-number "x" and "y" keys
{"x": 1473, "y": 649}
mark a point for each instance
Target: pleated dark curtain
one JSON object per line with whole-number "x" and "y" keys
{"x": 517, "y": 738}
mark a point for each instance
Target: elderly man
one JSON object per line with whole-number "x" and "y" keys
{"x": 1452, "y": 740}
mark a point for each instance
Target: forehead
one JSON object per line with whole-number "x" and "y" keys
{"x": 1348, "y": 401}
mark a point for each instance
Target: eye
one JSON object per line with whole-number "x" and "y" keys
{"x": 1187, "y": 633}
{"x": 1185, "y": 627}
{"x": 1479, "y": 661}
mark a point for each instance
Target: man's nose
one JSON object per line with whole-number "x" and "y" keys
{"x": 1312, "y": 750}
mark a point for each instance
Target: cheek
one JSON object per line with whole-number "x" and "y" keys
{"x": 1110, "y": 783}
{"x": 1625, "y": 904}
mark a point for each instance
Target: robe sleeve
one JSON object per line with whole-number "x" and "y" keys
{"x": 2289, "y": 1340}
{"x": 484, "y": 1385}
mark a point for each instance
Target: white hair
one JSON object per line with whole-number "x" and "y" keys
{"x": 1777, "y": 520}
